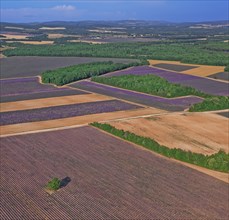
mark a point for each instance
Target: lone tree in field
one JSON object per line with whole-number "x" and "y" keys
{"x": 54, "y": 184}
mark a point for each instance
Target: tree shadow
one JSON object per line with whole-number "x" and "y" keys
{"x": 65, "y": 181}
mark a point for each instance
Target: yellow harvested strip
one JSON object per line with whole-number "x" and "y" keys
{"x": 47, "y": 102}
{"x": 201, "y": 70}
{"x": 8, "y": 130}
{"x": 204, "y": 70}
{"x": 153, "y": 62}
{"x": 32, "y": 42}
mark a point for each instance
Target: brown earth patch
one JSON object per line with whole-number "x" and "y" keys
{"x": 197, "y": 132}
{"x": 48, "y": 102}
{"x": 74, "y": 121}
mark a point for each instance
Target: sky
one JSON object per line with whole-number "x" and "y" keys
{"x": 78, "y": 10}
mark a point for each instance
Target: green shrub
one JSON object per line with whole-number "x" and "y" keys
{"x": 218, "y": 161}
{"x": 54, "y": 184}
{"x": 211, "y": 104}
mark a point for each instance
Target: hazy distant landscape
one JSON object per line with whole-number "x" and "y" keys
{"x": 113, "y": 119}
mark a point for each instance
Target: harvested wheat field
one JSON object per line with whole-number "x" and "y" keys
{"x": 32, "y": 42}
{"x": 192, "y": 69}
{"x": 52, "y": 28}
{"x": 31, "y": 127}
{"x": 105, "y": 181}
{"x": 13, "y": 36}
{"x": 48, "y": 102}
{"x": 205, "y": 133}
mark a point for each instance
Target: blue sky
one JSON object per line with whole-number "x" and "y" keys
{"x": 65, "y": 10}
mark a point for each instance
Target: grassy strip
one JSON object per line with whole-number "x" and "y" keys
{"x": 218, "y": 161}
{"x": 211, "y": 104}
{"x": 149, "y": 84}
{"x": 69, "y": 74}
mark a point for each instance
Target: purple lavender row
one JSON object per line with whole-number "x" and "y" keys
{"x": 24, "y": 86}
{"x": 175, "y": 104}
{"x": 20, "y": 79}
{"x": 66, "y": 111}
{"x": 203, "y": 84}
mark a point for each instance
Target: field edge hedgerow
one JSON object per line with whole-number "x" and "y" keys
{"x": 218, "y": 161}
{"x": 65, "y": 75}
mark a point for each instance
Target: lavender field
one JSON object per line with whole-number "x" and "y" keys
{"x": 175, "y": 104}
{"x": 18, "y": 89}
{"x": 20, "y": 86}
{"x": 206, "y": 85}
{"x": 65, "y": 111}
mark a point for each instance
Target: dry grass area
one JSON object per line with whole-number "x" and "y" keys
{"x": 13, "y": 36}
{"x": 86, "y": 41}
{"x": 32, "y": 42}
{"x": 201, "y": 70}
{"x": 205, "y": 70}
{"x": 16, "y": 28}
{"x": 48, "y": 102}
{"x": 204, "y": 133}
{"x": 8, "y": 130}
{"x": 52, "y": 28}
{"x": 55, "y": 36}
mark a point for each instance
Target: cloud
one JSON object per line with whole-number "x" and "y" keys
{"x": 64, "y": 8}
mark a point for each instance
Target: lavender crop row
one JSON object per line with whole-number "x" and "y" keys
{"x": 205, "y": 85}
{"x": 24, "y": 86}
{"x": 175, "y": 104}
{"x": 66, "y": 111}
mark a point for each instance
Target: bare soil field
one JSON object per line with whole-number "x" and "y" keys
{"x": 196, "y": 132}
{"x": 33, "y": 66}
{"x": 31, "y": 127}
{"x": 64, "y": 111}
{"x": 32, "y": 42}
{"x": 48, "y": 102}
{"x": 221, "y": 76}
{"x": 174, "y": 67}
{"x": 110, "y": 179}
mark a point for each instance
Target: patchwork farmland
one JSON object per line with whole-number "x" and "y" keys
{"x": 46, "y": 131}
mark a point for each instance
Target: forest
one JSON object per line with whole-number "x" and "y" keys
{"x": 208, "y": 53}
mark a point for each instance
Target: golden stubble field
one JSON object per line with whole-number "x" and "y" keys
{"x": 201, "y": 70}
{"x": 204, "y": 133}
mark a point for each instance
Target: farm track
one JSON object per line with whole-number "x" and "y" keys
{"x": 106, "y": 182}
